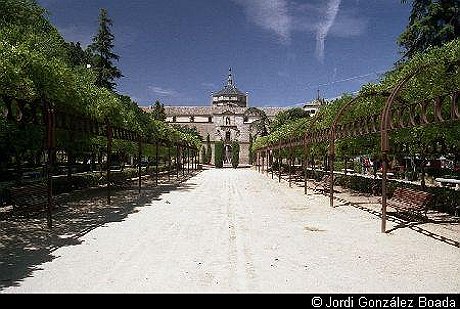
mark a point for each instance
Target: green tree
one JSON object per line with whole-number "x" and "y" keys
{"x": 219, "y": 154}
{"x": 208, "y": 149}
{"x": 261, "y": 124}
{"x": 77, "y": 55}
{"x": 158, "y": 111}
{"x": 204, "y": 155}
{"x": 192, "y": 131}
{"x": 235, "y": 154}
{"x": 431, "y": 23}
{"x": 251, "y": 152}
{"x": 286, "y": 116}
{"x": 106, "y": 71}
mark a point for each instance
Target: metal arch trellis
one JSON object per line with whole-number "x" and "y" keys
{"x": 419, "y": 115}
{"x": 393, "y": 117}
{"x": 360, "y": 126}
{"x": 53, "y": 119}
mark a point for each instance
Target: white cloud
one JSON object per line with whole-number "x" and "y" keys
{"x": 321, "y": 18}
{"x": 270, "y": 15}
{"x": 162, "y": 92}
{"x": 323, "y": 27}
{"x": 348, "y": 25}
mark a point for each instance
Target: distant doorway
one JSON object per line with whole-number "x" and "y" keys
{"x": 228, "y": 154}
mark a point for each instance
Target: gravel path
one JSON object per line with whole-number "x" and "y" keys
{"x": 239, "y": 231}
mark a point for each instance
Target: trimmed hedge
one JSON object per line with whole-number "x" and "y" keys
{"x": 445, "y": 199}
{"x": 235, "y": 154}
{"x": 219, "y": 154}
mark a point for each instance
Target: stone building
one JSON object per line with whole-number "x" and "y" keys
{"x": 225, "y": 119}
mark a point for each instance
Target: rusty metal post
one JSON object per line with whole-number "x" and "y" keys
{"x": 192, "y": 160}
{"x": 139, "y": 145}
{"x": 169, "y": 163}
{"x": 280, "y": 163}
{"x": 385, "y": 143}
{"x": 183, "y": 160}
{"x": 177, "y": 161}
{"x": 259, "y": 165}
{"x": 290, "y": 165}
{"x": 384, "y": 190}
{"x": 50, "y": 144}
{"x": 263, "y": 162}
{"x": 272, "y": 156}
{"x": 196, "y": 159}
{"x": 188, "y": 160}
{"x": 305, "y": 166}
{"x": 157, "y": 159}
{"x": 109, "y": 159}
{"x": 331, "y": 184}
{"x": 268, "y": 159}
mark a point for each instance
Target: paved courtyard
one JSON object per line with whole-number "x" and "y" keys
{"x": 239, "y": 231}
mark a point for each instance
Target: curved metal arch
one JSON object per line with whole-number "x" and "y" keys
{"x": 333, "y": 135}
{"x": 385, "y": 140}
{"x": 385, "y": 125}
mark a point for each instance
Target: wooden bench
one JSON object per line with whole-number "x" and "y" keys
{"x": 324, "y": 184}
{"x": 412, "y": 202}
{"x": 31, "y": 197}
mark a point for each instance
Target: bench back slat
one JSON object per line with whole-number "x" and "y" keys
{"x": 410, "y": 198}
{"x": 29, "y": 195}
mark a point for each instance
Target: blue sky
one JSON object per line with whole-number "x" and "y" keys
{"x": 280, "y": 51}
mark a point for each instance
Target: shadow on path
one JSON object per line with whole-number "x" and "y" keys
{"x": 26, "y": 243}
{"x": 362, "y": 201}
{"x": 404, "y": 222}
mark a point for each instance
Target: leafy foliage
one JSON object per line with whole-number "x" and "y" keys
{"x": 261, "y": 124}
{"x": 286, "y": 116}
{"x": 158, "y": 111}
{"x": 235, "y": 154}
{"x": 37, "y": 66}
{"x": 432, "y": 23}
{"x": 434, "y": 73}
{"x": 219, "y": 154}
{"x": 208, "y": 149}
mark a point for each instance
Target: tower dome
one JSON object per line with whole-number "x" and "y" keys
{"x": 230, "y": 95}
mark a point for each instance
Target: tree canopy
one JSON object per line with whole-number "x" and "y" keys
{"x": 431, "y": 23}
{"x": 158, "y": 111}
{"x": 37, "y": 65}
{"x": 261, "y": 124}
{"x": 438, "y": 74}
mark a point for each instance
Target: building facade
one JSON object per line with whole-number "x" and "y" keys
{"x": 226, "y": 119}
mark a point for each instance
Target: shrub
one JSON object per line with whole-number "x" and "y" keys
{"x": 235, "y": 154}
{"x": 219, "y": 154}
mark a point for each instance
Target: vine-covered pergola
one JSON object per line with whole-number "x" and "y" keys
{"x": 379, "y": 113}
{"x": 51, "y": 120}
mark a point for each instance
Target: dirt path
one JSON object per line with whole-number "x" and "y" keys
{"x": 239, "y": 231}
